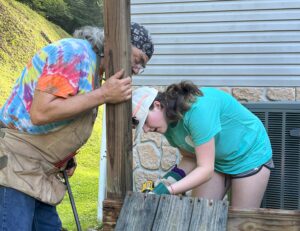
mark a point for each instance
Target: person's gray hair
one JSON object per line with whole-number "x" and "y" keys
{"x": 95, "y": 35}
{"x": 140, "y": 38}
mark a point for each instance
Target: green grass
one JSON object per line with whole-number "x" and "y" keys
{"x": 22, "y": 33}
{"x": 84, "y": 183}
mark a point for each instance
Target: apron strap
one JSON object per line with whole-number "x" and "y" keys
{"x": 61, "y": 163}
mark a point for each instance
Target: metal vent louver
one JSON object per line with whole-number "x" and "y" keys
{"x": 282, "y": 122}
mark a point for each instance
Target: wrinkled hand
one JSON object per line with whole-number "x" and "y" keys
{"x": 115, "y": 89}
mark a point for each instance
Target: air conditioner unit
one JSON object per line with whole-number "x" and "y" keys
{"x": 282, "y": 121}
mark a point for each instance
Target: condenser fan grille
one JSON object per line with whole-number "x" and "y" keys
{"x": 282, "y": 122}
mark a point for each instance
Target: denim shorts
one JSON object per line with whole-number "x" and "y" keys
{"x": 251, "y": 172}
{"x": 20, "y": 212}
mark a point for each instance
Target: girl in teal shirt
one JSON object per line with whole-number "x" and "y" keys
{"x": 223, "y": 145}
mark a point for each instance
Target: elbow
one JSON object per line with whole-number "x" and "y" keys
{"x": 37, "y": 118}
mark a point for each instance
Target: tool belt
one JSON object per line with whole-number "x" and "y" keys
{"x": 31, "y": 163}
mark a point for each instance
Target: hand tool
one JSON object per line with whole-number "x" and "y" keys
{"x": 148, "y": 186}
{"x": 71, "y": 163}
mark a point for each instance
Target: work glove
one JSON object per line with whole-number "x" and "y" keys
{"x": 161, "y": 189}
{"x": 176, "y": 174}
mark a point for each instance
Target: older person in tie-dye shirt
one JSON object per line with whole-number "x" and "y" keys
{"x": 63, "y": 70}
{"x": 56, "y": 87}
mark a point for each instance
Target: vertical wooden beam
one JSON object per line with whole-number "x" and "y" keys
{"x": 117, "y": 53}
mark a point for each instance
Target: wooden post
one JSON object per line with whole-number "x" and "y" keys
{"x": 117, "y": 53}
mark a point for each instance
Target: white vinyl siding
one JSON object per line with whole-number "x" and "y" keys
{"x": 221, "y": 43}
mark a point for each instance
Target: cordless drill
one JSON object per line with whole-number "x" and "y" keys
{"x": 148, "y": 186}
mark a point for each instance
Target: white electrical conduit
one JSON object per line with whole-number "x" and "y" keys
{"x": 102, "y": 170}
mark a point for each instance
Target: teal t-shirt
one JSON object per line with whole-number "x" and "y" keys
{"x": 241, "y": 141}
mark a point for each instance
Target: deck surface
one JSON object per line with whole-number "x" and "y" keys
{"x": 143, "y": 212}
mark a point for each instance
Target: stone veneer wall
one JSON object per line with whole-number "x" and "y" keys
{"x": 153, "y": 156}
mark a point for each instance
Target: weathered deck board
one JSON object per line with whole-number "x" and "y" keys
{"x": 263, "y": 219}
{"x": 238, "y": 219}
{"x": 138, "y": 212}
{"x": 209, "y": 215}
{"x": 171, "y": 213}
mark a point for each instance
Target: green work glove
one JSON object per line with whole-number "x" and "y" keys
{"x": 161, "y": 189}
{"x": 176, "y": 174}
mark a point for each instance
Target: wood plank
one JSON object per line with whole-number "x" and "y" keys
{"x": 263, "y": 219}
{"x": 173, "y": 213}
{"x": 117, "y": 53}
{"x": 209, "y": 215}
{"x": 138, "y": 212}
{"x": 243, "y": 219}
{"x": 111, "y": 210}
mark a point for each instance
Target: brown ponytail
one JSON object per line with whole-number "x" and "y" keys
{"x": 177, "y": 99}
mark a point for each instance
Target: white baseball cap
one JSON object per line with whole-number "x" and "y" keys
{"x": 142, "y": 98}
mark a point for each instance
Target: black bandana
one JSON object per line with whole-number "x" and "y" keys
{"x": 141, "y": 39}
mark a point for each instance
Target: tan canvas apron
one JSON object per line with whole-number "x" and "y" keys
{"x": 27, "y": 162}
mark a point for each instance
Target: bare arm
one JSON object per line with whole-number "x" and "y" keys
{"x": 196, "y": 175}
{"x": 188, "y": 161}
{"x": 48, "y": 108}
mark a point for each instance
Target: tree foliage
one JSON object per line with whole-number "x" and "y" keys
{"x": 69, "y": 14}
{"x": 86, "y": 12}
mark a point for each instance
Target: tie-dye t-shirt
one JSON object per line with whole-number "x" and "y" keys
{"x": 64, "y": 68}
